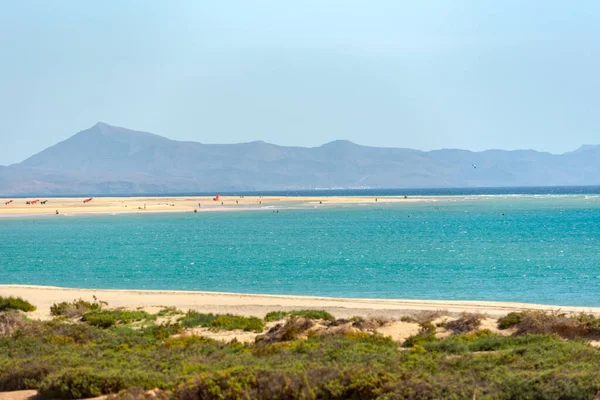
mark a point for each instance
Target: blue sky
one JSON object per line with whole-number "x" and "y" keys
{"x": 423, "y": 74}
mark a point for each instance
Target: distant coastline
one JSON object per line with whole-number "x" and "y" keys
{"x": 140, "y": 205}
{"x": 360, "y": 192}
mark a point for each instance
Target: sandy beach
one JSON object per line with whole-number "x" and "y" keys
{"x": 258, "y": 305}
{"x": 109, "y": 205}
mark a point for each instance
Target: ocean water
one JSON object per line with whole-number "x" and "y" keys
{"x": 527, "y": 248}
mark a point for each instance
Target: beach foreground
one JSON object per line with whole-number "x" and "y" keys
{"x": 58, "y": 343}
{"x": 259, "y": 305}
{"x": 76, "y": 205}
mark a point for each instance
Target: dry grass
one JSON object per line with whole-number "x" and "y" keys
{"x": 428, "y": 315}
{"x": 371, "y": 323}
{"x": 549, "y": 323}
{"x": 467, "y": 322}
{"x": 554, "y": 323}
{"x": 10, "y": 322}
{"x": 294, "y": 327}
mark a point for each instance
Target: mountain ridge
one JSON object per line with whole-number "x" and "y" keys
{"x": 106, "y": 159}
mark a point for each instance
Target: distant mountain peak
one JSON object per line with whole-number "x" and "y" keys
{"x": 104, "y": 130}
{"x": 340, "y": 144}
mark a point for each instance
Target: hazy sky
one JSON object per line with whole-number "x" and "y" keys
{"x": 423, "y": 74}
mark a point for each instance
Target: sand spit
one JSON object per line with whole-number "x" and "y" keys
{"x": 117, "y": 205}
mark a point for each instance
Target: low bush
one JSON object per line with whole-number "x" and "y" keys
{"x": 10, "y": 321}
{"x": 108, "y": 318}
{"x": 554, "y": 322}
{"x": 310, "y": 314}
{"x": 56, "y": 331}
{"x": 79, "y": 383}
{"x": 163, "y": 331}
{"x": 193, "y": 318}
{"x": 510, "y": 320}
{"x": 76, "y": 308}
{"x": 449, "y": 345}
{"x": 265, "y": 384}
{"x": 465, "y": 323}
{"x": 168, "y": 311}
{"x": 590, "y": 324}
{"x": 371, "y": 323}
{"x": 426, "y": 334}
{"x": 541, "y": 322}
{"x": 15, "y": 303}
{"x": 427, "y": 328}
{"x": 293, "y": 327}
{"x": 221, "y": 321}
{"x": 419, "y": 339}
{"x": 429, "y": 315}
{"x": 22, "y": 375}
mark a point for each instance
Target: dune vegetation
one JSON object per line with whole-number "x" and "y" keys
{"x": 90, "y": 350}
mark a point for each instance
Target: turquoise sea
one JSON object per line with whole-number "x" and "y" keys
{"x": 527, "y": 248}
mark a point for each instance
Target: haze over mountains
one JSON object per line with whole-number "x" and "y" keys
{"x": 110, "y": 160}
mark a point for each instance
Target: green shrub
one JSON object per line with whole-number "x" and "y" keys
{"x": 15, "y": 303}
{"x": 108, "y": 318}
{"x": 225, "y": 322}
{"x": 310, "y": 314}
{"x": 194, "y": 318}
{"x": 76, "y": 308}
{"x": 419, "y": 339}
{"x": 23, "y": 375}
{"x": 510, "y": 320}
{"x": 264, "y": 384}
{"x": 53, "y": 331}
{"x": 276, "y": 315}
{"x": 163, "y": 331}
{"x": 448, "y": 345}
{"x": 168, "y": 311}
{"x": 78, "y": 383}
{"x": 230, "y": 322}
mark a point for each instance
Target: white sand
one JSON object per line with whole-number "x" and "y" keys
{"x": 258, "y": 305}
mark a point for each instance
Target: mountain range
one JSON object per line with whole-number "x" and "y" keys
{"x": 105, "y": 159}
